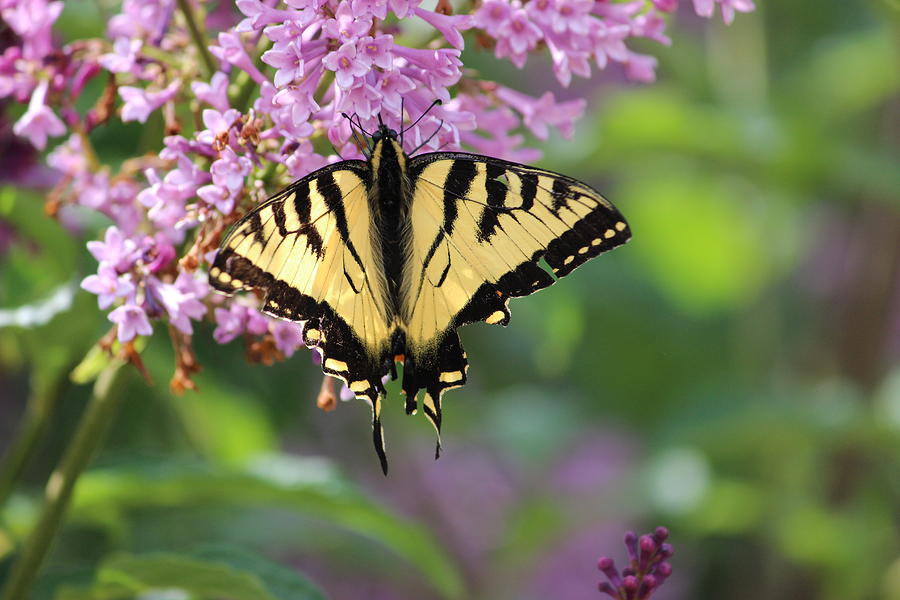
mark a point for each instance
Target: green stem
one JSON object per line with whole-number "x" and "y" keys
{"x": 199, "y": 39}
{"x": 20, "y": 450}
{"x": 96, "y": 418}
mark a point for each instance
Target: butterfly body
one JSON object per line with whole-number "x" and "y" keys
{"x": 384, "y": 259}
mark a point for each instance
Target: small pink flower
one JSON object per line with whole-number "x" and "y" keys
{"x": 115, "y": 250}
{"x": 214, "y": 93}
{"x": 346, "y": 27}
{"x": 572, "y": 15}
{"x": 288, "y": 60}
{"x": 449, "y": 25}
{"x": 376, "y": 51}
{"x": 345, "y": 65}
{"x": 132, "y": 321}
{"x": 108, "y": 286}
{"x": 230, "y": 170}
{"x": 139, "y": 103}
{"x": 231, "y": 51}
{"x": 517, "y": 36}
{"x": 39, "y": 122}
{"x": 122, "y": 58}
{"x": 494, "y": 13}
{"x": 640, "y": 67}
{"x": 288, "y": 336}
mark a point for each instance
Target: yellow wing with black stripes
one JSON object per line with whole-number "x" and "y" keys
{"x": 312, "y": 251}
{"x": 480, "y": 228}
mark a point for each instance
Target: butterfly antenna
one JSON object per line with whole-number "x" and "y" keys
{"x": 353, "y": 127}
{"x": 401, "y": 122}
{"x": 427, "y": 110}
{"x": 428, "y": 139}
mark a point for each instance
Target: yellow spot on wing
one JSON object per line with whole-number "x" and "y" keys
{"x": 496, "y": 317}
{"x": 359, "y": 386}
{"x": 450, "y": 376}
{"x": 620, "y": 226}
{"x": 335, "y": 365}
{"x": 609, "y": 233}
{"x": 313, "y": 335}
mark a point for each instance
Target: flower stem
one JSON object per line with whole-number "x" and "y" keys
{"x": 97, "y": 416}
{"x": 199, "y": 39}
{"x": 41, "y": 404}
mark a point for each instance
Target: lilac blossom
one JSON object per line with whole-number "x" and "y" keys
{"x": 131, "y": 320}
{"x": 39, "y": 122}
{"x": 214, "y": 93}
{"x": 263, "y": 109}
{"x": 139, "y": 103}
{"x": 647, "y": 567}
{"x": 108, "y": 285}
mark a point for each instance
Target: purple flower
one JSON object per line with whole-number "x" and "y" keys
{"x": 214, "y": 93}
{"x": 39, "y": 122}
{"x": 229, "y": 322}
{"x": 449, "y": 25}
{"x": 666, "y": 5}
{"x": 609, "y": 42}
{"x": 376, "y": 51}
{"x": 139, "y": 103}
{"x": 260, "y": 14}
{"x": 517, "y": 35}
{"x": 68, "y": 157}
{"x": 375, "y": 8}
{"x": 493, "y": 14}
{"x": 217, "y": 196}
{"x": 705, "y": 8}
{"x": 32, "y": 21}
{"x": 288, "y": 60}
{"x": 345, "y": 65}
{"x": 640, "y": 67}
{"x": 131, "y": 321}
{"x": 115, "y": 250}
{"x": 122, "y": 58}
{"x": 646, "y": 571}
{"x": 231, "y": 51}
{"x": 217, "y": 124}
{"x": 108, "y": 285}
{"x": 288, "y": 336}
{"x": 344, "y": 26}
{"x": 571, "y": 15}
{"x": 538, "y": 113}
{"x": 181, "y": 299}
{"x": 230, "y": 170}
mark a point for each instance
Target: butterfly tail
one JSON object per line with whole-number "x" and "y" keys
{"x": 435, "y": 369}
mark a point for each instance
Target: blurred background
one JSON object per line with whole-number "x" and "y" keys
{"x": 732, "y": 373}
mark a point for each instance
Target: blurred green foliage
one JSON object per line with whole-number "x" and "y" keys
{"x": 731, "y": 373}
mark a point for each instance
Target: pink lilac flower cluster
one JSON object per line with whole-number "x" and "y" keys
{"x": 251, "y": 95}
{"x": 647, "y": 567}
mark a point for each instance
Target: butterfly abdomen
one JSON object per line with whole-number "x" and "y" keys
{"x": 389, "y": 200}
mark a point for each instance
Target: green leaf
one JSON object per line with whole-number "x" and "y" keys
{"x": 309, "y": 487}
{"x": 281, "y": 582}
{"x": 213, "y": 573}
{"x": 127, "y": 576}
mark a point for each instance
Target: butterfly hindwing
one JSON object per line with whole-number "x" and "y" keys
{"x": 480, "y": 228}
{"x": 311, "y": 252}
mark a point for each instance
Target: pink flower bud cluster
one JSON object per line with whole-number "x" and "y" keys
{"x": 250, "y": 96}
{"x": 647, "y": 567}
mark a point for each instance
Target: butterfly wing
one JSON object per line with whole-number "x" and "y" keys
{"x": 480, "y": 226}
{"x": 310, "y": 250}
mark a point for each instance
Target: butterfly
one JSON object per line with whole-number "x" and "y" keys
{"x": 384, "y": 259}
